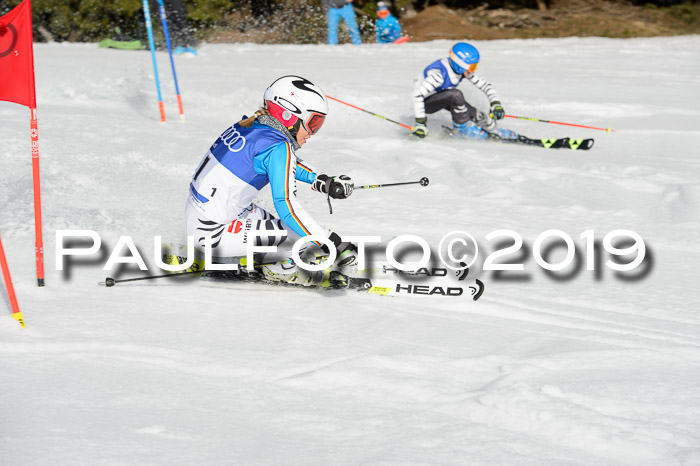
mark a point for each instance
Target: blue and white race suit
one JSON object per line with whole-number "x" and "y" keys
{"x": 439, "y": 76}
{"x": 223, "y": 187}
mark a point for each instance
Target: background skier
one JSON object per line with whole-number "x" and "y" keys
{"x": 436, "y": 89}
{"x": 337, "y": 10}
{"x": 245, "y": 158}
{"x": 180, "y": 32}
{"x": 388, "y": 27}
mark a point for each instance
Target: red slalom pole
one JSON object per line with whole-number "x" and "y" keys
{"x": 371, "y": 113}
{"x": 560, "y": 123}
{"x": 10, "y": 289}
{"x": 39, "y": 241}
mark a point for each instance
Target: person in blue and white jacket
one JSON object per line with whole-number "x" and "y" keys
{"x": 252, "y": 153}
{"x": 436, "y": 89}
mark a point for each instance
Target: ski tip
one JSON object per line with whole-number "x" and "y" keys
{"x": 585, "y": 144}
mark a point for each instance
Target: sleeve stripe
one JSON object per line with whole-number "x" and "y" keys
{"x": 300, "y": 165}
{"x": 287, "y": 193}
{"x": 485, "y": 86}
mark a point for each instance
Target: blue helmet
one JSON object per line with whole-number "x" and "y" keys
{"x": 463, "y": 57}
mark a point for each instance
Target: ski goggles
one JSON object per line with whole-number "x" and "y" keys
{"x": 314, "y": 122}
{"x": 383, "y": 13}
{"x": 461, "y": 67}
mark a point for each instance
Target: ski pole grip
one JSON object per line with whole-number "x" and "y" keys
{"x": 336, "y": 190}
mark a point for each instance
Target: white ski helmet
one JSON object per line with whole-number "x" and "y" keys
{"x": 293, "y": 99}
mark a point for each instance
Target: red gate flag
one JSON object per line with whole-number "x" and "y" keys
{"x": 16, "y": 56}
{"x": 17, "y": 85}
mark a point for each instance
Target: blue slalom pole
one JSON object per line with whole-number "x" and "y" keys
{"x": 149, "y": 28}
{"x": 170, "y": 52}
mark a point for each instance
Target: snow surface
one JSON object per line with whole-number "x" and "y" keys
{"x": 591, "y": 369}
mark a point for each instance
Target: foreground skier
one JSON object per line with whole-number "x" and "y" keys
{"x": 245, "y": 158}
{"x": 436, "y": 89}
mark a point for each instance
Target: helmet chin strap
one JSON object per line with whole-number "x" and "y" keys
{"x": 294, "y": 129}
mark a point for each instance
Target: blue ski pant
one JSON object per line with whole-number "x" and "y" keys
{"x": 347, "y": 14}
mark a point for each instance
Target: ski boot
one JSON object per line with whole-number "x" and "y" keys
{"x": 468, "y": 130}
{"x": 507, "y": 134}
{"x": 482, "y": 129}
{"x": 488, "y": 124}
{"x": 189, "y": 50}
{"x": 178, "y": 255}
{"x": 346, "y": 260}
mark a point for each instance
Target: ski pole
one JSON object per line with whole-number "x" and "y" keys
{"x": 109, "y": 281}
{"x": 151, "y": 44}
{"x": 423, "y": 182}
{"x": 371, "y": 113}
{"x": 161, "y": 7}
{"x": 559, "y": 123}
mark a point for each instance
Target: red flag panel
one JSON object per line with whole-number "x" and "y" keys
{"x": 16, "y": 56}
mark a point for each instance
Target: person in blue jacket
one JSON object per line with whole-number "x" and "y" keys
{"x": 248, "y": 156}
{"x": 388, "y": 27}
{"x": 337, "y": 10}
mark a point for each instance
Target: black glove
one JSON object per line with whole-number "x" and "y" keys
{"x": 339, "y": 187}
{"x": 497, "y": 110}
{"x": 347, "y": 252}
{"x": 420, "y": 129}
